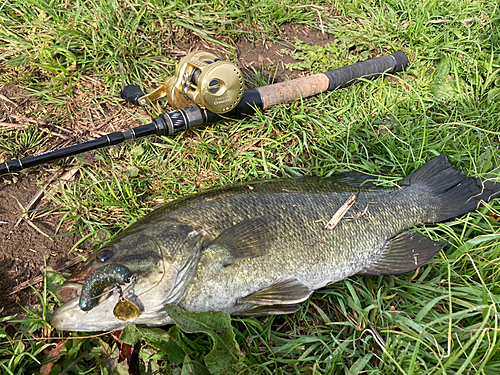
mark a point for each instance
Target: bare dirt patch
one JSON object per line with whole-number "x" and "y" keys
{"x": 271, "y": 59}
{"x": 24, "y": 250}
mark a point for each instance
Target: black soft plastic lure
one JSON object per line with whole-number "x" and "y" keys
{"x": 110, "y": 274}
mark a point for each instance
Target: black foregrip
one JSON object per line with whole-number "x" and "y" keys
{"x": 132, "y": 93}
{"x": 370, "y": 69}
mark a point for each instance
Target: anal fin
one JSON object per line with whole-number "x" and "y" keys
{"x": 284, "y": 291}
{"x": 404, "y": 253}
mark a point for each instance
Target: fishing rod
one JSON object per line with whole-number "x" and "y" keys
{"x": 204, "y": 90}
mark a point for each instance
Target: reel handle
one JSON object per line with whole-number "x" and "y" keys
{"x": 131, "y": 94}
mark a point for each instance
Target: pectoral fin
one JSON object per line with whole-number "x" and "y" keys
{"x": 404, "y": 253}
{"x": 248, "y": 239}
{"x": 282, "y": 292}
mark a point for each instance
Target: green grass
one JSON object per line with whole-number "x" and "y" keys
{"x": 440, "y": 320}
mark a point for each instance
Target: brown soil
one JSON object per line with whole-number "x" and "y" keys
{"x": 269, "y": 58}
{"x": 23, "y": 248}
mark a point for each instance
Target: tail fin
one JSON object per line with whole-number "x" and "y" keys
{"x": 455, "y": 194}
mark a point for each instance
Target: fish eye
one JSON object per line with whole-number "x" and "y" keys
{"x": 104, "y": 255}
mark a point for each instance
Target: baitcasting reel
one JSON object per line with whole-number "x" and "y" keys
{"x": 203, "y": 79}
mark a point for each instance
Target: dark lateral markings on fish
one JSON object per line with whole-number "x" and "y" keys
{"x": 264, "y": 250}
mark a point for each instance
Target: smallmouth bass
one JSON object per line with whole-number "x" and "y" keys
{"x": 261, "y": 248}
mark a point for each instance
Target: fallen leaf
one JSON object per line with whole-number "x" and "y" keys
{"x": 51, "y": 353}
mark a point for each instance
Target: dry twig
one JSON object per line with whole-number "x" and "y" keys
{"x": 341, "y": 212}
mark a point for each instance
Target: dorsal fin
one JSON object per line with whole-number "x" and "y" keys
{"x": 249, "y": 238}
{"x": 404, "y": 253}
{"x": 284, "y": 291}
{"x": 356, "y": 179}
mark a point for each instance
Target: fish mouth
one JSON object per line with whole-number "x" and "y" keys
{"x": 72, "y": 287}
{"x": 69, "y": 316}
{"x": 68, "y": 291}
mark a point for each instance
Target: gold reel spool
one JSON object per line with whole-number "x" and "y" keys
{"x": 202, "y": 78}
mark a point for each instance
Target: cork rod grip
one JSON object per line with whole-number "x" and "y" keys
{"x": 288, "y": 91}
